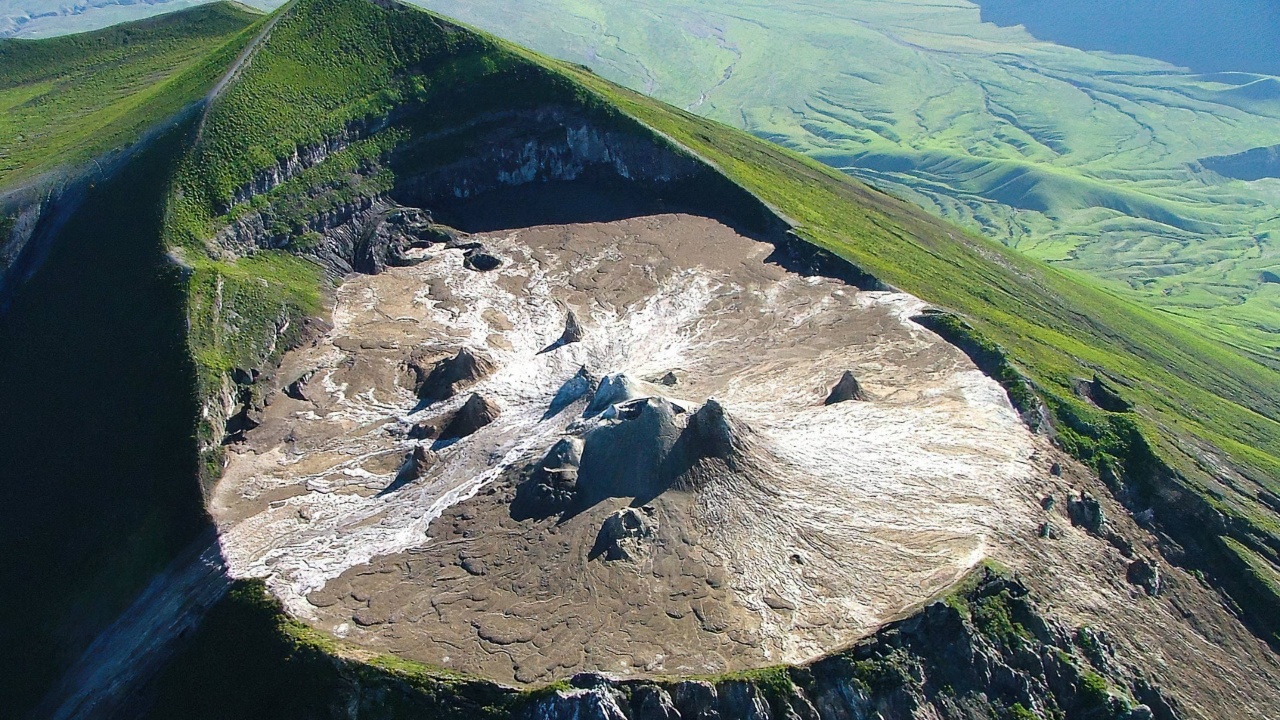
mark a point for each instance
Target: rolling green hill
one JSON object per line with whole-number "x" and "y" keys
{"x": 67, "y": 100}
{"x": 392, "y": 94}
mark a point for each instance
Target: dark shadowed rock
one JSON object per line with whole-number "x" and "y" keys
{"x": 1145, "y": 574}
{"x": 712, "y": 432}
{"x": 424, "y": 431}
{"x": 556, "y": 480}
{"x": 847, "y": 388}
{"x": 417, "y": 462}
{"x": 649, "y": 702}
{"x": 473, "y": 415}
{"x": 1102, "y": 394}
{"x": 481, "y": 261}
{"x": 696, "y": 700}
{"x": 573, "y": 331}
{"x": 298, "y": 388}
{"x": 1085, "y": 511}
{"x": 446, "y": 377}
{"x": 583, "y": 383}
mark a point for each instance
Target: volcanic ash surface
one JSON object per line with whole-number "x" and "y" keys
{"x": 635, "y": 447}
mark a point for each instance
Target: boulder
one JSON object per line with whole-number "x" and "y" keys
{"x": 583, "y": 383}
{"x": 481, "y": 261}
{"x": 573, "y": 331}
{"x": 416, "y": 463}
{"x": 424, "y": 431}
{"x": 298, "y": 388}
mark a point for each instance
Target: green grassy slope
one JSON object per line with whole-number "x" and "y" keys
{"x": 67, "y": 100}
{"x": 1086, "y": 160}
{"x": 1205, "y": 440}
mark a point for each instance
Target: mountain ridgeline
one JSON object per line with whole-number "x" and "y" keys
{"x": 229, "y": 226}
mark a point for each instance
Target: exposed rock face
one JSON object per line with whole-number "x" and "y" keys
{"x": 416, "y": 463}
{"x": 616, "y": 389}
{"x": 447, "y": 377}
{"x": 474, "y": 414}
{"x": 482, "y": 261}
{"x": 583, "y": 383}
{"x": 847, "y": 388}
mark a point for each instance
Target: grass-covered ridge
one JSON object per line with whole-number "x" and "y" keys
{"x": 67, "y": 100}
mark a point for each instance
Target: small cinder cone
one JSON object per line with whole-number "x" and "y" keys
{"x": 452, "y": 374}
{"x": 474, "y": 414}
{"x": 847, "y": 389}
{"x": 573, "y": 331}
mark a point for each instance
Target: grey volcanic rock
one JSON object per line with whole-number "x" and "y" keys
{"x": 298, "y": 388}
{"x": 652, "y": 703}
{"x": 614, "y": 389}
{"x": 629, "y": 455}
{"x": 846, "y": 389}
{"x": 713, "y": 433}
{"x": 417, "y": 462}
{"x": 473, "y": 415}
{"x": 424, "y": 431}
{"x": 696, "y": 700}
{"x": 448, "y": 376}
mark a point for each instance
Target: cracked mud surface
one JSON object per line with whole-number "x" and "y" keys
{"x": 829, "y": 520}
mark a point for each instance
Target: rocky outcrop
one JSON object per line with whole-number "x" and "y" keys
{"x": 554, "y": 485}
{"x": 550, "y": 143}
{"x": 1101, "y": 393}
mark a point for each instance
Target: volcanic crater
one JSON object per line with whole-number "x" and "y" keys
{"x": 640, "y": 446}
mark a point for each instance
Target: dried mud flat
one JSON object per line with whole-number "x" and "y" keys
{"x": 792, "y": 526}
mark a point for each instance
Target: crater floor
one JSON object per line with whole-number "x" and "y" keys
{"x": 776, "y": 526}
